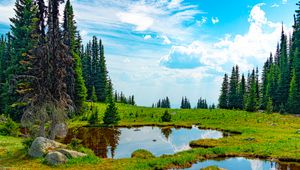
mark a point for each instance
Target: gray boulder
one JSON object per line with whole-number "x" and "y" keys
{"x": 55, "y": 158}
{"x": 41, "y": 146}
{"x": 71, "y": 154}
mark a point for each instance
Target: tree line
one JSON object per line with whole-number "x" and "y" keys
{"x": 185, "y": 104}
{"x": 279, "y": 87}
{"x": 45, "y": 71}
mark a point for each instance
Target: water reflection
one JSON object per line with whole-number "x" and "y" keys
{"x": 121, "y": 142}
{"x": 244, "y": 164}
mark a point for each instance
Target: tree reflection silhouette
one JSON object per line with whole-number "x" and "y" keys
{"x": 100, "y": 140}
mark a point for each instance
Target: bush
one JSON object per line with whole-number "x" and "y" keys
{"x": 166, "y": 117}
{"x": 94, "y": 119}
{"x": 27, "y": 143}
{"x": 8, "y": 127}
{"x": 142, "y": 154}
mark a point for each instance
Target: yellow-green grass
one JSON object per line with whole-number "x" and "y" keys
{"x": 270, "y": 136}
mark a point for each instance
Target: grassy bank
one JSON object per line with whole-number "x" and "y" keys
{"x": 262, "y": 135}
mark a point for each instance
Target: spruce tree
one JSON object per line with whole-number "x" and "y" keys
{"x": 111, "y": 115}
{"x": 223, "y": 99}
{"x": 24, "y": 39}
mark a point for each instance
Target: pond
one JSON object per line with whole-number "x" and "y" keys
{"x": 244, "y": 164}
{"x": 121, "y": 142}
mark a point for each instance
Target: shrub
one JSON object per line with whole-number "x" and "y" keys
{"x": 166, "y": 117}
{"x": 27, "y": 143}
{"x": 9, "y": 127}
{"x": 142, "y": 154}
{"x": 94, "y": 119}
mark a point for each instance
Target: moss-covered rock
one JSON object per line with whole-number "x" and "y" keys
{"x": 212, "y": 168}
{"x": 142, "y": 153}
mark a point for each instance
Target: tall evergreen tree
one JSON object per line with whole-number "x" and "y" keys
{"x": 24, "y": 37}
{"x": 251, "y": 102}
{"x": 223, "y": 99}
{"x": 111, "y": 116}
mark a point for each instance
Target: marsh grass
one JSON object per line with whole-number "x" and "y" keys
{"x": 260, "y": 135}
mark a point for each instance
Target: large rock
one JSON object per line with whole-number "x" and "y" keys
{"x": 55, "y": 158}
{"x": 41, "y": 146}
{"x": 71, "y": 154}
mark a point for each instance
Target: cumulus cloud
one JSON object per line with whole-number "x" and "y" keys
{"x": 215, "y": 20}
{"x": 251, "y": 47}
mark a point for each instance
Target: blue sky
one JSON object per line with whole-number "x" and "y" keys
{"x": 175, "y": 48}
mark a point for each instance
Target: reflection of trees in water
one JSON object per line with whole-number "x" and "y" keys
{"x": 282, "y": 166}
{"x": 166, "y": 131}
{"x": 100, "y": 140}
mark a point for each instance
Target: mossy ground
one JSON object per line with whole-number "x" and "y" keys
{"x": 262, "y": 135}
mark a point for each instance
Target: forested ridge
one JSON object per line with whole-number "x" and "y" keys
{"x": 278, "y": 90}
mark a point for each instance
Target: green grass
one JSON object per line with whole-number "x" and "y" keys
{"x": 261, "y": 135}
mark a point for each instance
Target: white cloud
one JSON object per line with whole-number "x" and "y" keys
{"x": 202, "y": 21}
{"x": 141, "y": 21}
{"x": 7, "y": 11}
{"x": 284, "y": 1}
{"x": 147, "y": 37}
{"x": 242, "y": 49}
{"x": 215, "y": 20}
{"x": 274, "y": 5}
{"x": 166, "y": 40}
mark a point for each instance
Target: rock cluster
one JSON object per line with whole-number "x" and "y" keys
{"x": 55, "y": 153}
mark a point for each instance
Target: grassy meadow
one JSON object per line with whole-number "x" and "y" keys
{"x": 259, "y": 135}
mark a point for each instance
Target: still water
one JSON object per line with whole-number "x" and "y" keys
{"x": 244, "y": 164}
{"x": 121, "y": 142}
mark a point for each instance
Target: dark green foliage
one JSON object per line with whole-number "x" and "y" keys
{"x": 163, "y": 103}
{"x": 94, "y": 118}
{"x": 111, "y": 115}
{"x": 8, "y": 127}
{"x": 202, "y": 104}
{"x": 223, "y": 99}
{"x": 233, "y": 97}
{"x": 23, "y": 39}
{"x": 185, "y": 103}
{"x": 27, "y": 143}
{"x": 94, "y": 69}
{"x": 166, "y": 117}
{"x": 121, "y": 98}
{"x": 251, "y": 98}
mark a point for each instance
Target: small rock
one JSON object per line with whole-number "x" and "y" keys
{"x": 41, "y": 146}
{"x": 249, "y": 139}
{"x": 72, "y": 154}
{"x": 137, "y": 129}
{"x": 154, "y": 140}
{"x": 55, "y": 158}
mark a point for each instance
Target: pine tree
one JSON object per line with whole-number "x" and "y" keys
{"x": 111, "y": 116}
{"x": 223, "y": 99}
